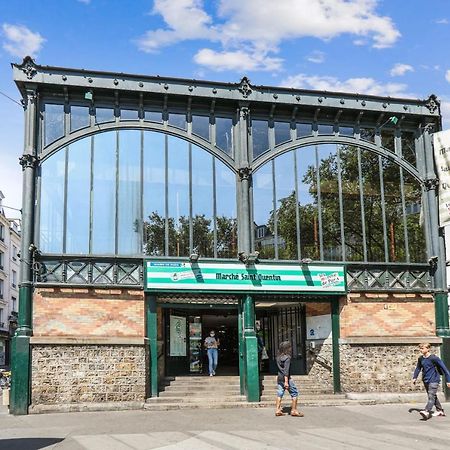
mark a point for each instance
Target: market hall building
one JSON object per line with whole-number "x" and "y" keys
{"x": 156, "y": 209}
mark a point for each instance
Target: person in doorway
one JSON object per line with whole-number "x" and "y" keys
{"x": 432, "y": 368}
{"x": 212, "y": 348}
{"x": 284, "y": 380}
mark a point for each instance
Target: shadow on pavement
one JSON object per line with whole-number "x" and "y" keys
{"x": 27, "y": 443}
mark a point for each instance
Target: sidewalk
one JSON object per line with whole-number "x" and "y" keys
{"x": 345, "y": 427}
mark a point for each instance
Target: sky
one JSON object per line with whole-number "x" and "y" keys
{"x": 382, "y": 47}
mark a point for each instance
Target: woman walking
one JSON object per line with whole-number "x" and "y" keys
{"x": 284, "y": 380}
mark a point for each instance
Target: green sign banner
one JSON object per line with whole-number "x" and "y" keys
{"x": 186, "y": 276}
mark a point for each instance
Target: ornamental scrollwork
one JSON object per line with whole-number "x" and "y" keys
{"x": 431, "y": 184}
{"x": 432, "y": 103}
{"x": 244, "y": 87}
{"x": 28, "y": 67}
{"x": 245, "y": 173}
{"x": 28, "y": 161}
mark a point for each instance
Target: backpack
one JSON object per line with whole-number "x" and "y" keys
{"x": 436, "y": 365}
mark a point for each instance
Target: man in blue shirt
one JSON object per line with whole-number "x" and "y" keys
{"x": 431, "y": 367}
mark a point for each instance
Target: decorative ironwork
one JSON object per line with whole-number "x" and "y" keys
{"x": 389, "y": 278}
{"x": 431, "y": 184}
{"x": 245, "y": 173}
{"x": 28, "y": 67}
{"x": 432, "y": 103}
{"x": 28, "y": 161}
{"x": 91, "y": 272}
{"x": 245, "y": 87}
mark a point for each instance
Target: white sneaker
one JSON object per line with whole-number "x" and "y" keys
{"x": 210, "y": 374}
{"x": 438, "y": 414}
{"x": 425, "y": 414}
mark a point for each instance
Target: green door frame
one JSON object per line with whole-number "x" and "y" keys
{"x": 151, "y": 335}
{"x": 335, "y": 335}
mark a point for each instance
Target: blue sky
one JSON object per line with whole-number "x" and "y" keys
{"x": 384, "y": 47}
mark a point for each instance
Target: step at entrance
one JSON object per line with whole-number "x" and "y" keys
{"x": 194, "y": 392}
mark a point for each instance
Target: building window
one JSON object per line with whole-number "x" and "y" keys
{"x": 14, "y": 279}
{"x": 2, "y": 324}
{"x": 1, "y": 288}
{"x": 13, "y": 304}
{"x": 54, "y": 122}
{"x": 2, "y": 232}
{"x": 14, "y": 253}
{"x": 1, "y": 260}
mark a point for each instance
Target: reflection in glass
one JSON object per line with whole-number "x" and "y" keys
{"x": 104, "y": 194}
{"x": 177, "y": 120}
{"x": 304, "y": 129}
{"x": 153, "y": 116}
{"x": 129, "y": 114}
{"x": 104, "y": 115}
{"x": 202, "y": 202}
{"x": 325, "y": 129}
{"x": 54, "y": 122}
{"x": 154, "y": 195}
{"x": 282, "y": 132}
{"x": 178, "y": 191}
{"x": 260, "y": 137}
{"x": 224, "y": 134}
{"x": 79, "y": 117}
{"x": 346, "y": 131}
{"x": 78, "y": 197}
{"x": 52, "y": 203}
{"x": 200, "y": 126}
{"x": 129, "y": 211}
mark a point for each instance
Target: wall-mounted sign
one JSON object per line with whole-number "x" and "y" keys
{"x": 185, "y": 276}
{"x": 441, "y": 144}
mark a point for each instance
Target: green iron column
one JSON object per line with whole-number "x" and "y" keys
{"x": 251, "y": 351}
{"x": 151, "y": 331}
{"x": 335, "y": 335}
{"x": 21, "y": 364}
{"x": 241, "y": 349}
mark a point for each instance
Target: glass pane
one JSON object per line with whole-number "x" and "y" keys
{"x": 177, "y": 120}
{"x": 200, "y": 126}
{"x": 325, "y": 129}
{"x": 153, "y": 116}
{"x": 286, "y": 207}
{"x": 282, "y": 132}
{"x": 52, "y": 203}
{"x": 351, "y": 200}
{"x": 79, "y": 117}
{"x": 329, "y": 194}
{"x": 408, "y": 147}
{"x": 260, "y": 135}
{"x": 104, "y": 194}
{"x": 224, "y": 134}
{"x": 129, "y": 114}
{"x": 226, "y": 211}
{"x": 367, "y": 134}
{"x": 54, "y": 122}
{"x": 394, "y": 214}
{"x": 387, "y": 140}
{"x": 308, "y": 199}
{"x": 104, "y": 115}
{"x": 263, "y": 211}
{"x": 78, "y": 197}
{"x": 154, "y": 194}
{"x": 304, "y": 129}
{"x": 129, "y": 192}
{"x": 414, "y": 218}
{"x": 179, "y": 196}
{"x": 202, "y": 202}
{"x": 373, "y": 211}
{"x": 346, "y": 131}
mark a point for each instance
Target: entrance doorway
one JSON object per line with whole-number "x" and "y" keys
{"x": 185, "y": 331}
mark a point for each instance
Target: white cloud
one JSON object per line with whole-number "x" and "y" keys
{"x": 236, "y": 60}
{"x": 442, "y": 21}
{"x": 258, "y": 30}
{"x": 316, "y": 57}
{"x": 363, "y": 85}
{"x": 21, "y": 41}
{"x": 400, "y": 69}
{"x": 447, "y": 75}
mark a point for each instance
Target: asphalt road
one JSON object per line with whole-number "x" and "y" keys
{"x": 380, "y": 427}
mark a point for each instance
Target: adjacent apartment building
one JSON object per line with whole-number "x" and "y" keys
{"x": 9, "y": 276}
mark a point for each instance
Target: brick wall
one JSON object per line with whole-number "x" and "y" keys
{"x": 387, "y": 315}
{"x": 88, "y": 312}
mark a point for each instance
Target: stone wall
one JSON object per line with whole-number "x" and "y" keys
{"x": 65, "y": 374}
{"x": 317, "y": 359}
{"x": 379, "y": 368}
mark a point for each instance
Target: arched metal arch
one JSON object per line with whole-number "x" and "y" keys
{"x": 139, "y": 126}
{"x": 312, "y": 141}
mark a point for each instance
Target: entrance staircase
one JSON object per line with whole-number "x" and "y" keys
{"x": 193, "y": 392}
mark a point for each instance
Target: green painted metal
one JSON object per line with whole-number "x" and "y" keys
{"x": 251, "y": 351}
{"x": 445, "y": 356}
{"x": 20, "y": 371}
{"x": 152, "y": 339}
{"x": 241, "y": 350}
{"x": 335, "y": 334}
{"x": 441, "y": 314}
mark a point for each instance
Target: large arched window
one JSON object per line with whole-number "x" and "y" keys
{"x": 337, "y": 203}
{"x": 134, "y": 192}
